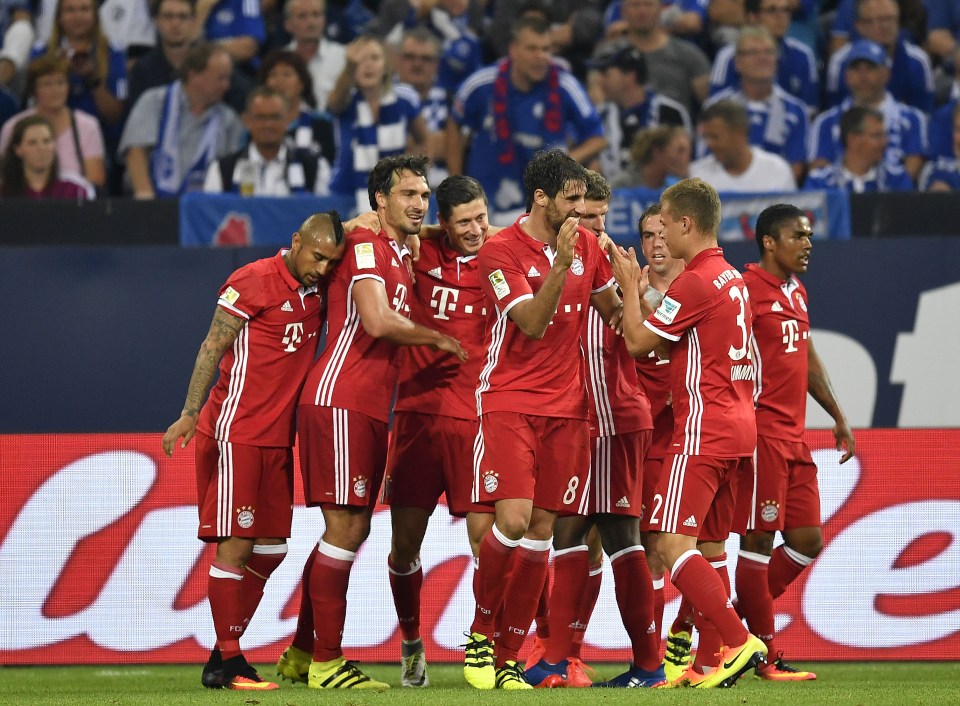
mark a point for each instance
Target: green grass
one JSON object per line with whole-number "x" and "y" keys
{"x": 839, "y": 684}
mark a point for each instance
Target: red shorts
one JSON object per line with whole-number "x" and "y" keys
{"x": 431, "y": 454}
{"x": 243, "y": 491}
{"x": 782, "y": 492}
{"x": 544, "y": 459}
{"x": 700, "y": 495}
{"x": 652, "y": 494}
{"x": 616, "y": 473}
{"x": 342, "y": 456}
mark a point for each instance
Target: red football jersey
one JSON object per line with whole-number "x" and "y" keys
{"x": 254, "y": 399}
{"x": 355, "y": 370}
{"x": 706, "y": 312}
{"x": 653, "y": 374}
{"x": 617, "y": 403}
{"x": 520, "y": 374}
{"x": 448, "y": 299}
{"x": 781, "y": 329}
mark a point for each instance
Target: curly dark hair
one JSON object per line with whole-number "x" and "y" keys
{"x": 381, "y": 179}
{"x": 550, "y": 172}
{"x": 773, "y": 218}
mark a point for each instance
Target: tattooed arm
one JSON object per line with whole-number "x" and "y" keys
{"x": 223, "y": 332}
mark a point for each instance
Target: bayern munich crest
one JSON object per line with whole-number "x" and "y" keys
{"x": 769, "y": 510}
{"x": 245, "y": 517}
{"x": 360, "y": 486}
{"x": 576, "y": 267}
{"x": 491, "y": 481}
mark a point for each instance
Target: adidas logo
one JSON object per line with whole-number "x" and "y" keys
{"x": 435, "y": 272}
{"x": 776, "y": 307}
{"x": 534, "y": 272}
{"x": 652, "y": 629}
{"x": 623, "y": 502}
{"x": 394, "y": 263}
{"x": 690, "y": 521}
{"x": 286, "y": 306}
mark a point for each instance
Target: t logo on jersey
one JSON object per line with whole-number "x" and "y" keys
{"x": 791, "y": 333}
{"x": 292, "y": 336}
{"x": 447, "y": 301}
{"x": 400, "y": 298}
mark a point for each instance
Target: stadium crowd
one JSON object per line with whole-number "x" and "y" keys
{"x": 154, "y": 98}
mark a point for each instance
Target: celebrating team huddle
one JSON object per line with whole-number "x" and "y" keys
{"x": 559, "y": 394}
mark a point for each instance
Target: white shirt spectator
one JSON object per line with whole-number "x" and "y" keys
{"x": 325, "y": 67}
{"x": 767, "y": 173}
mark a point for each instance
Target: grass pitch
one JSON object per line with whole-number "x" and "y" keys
{"x": 838, "y": 684}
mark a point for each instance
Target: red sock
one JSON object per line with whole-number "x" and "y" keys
{"x": 634, "y": 590}
{"x": 657, "y": 582}
{"x": 570, "y": 570}
{"x": 709, "y": 642}
{"x": 589, "y": 602}
{"x": 491, "y": 580}
{"x": 406, "y": 582}
{"x": 329, "y": 580}
{"x": 542, "y": 615}
{"x": 262, "y": 563}
{"x": 699, "y": 582}
{"x": 785, "y": 566}
{"x": 303, "y": 637}
{"x": 529, "y": 569}
{"x": 225, "y": 591}
{"x": 685, "y": 614}
{"x": 754, "y": 601}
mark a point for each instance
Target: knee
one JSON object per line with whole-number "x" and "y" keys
{"x": 757, "y": 543}
{"x": 809, "y": 546}
{"x": 234, "y": 551}
{"x": 405, "y": 550}
{"x": 513, "y": 526}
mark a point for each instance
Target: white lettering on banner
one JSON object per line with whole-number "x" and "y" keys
{"x": 846, "y": 580}
{"x": 924, "y": 361}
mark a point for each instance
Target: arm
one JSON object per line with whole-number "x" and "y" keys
{"x": 588, "y": 149}
{"x": 138, "y": 167}
{"x": 532, "y": 316}
{"x": 94, "y": 171}
{"x": 608, "y": 305}
{"x": 108, "y": 105}
{"x": 941, "y": 43}
{"x": 456, "y": 146}
{"x": 16, "y": 45}
{"x": 223, "y": 332}
{"x": 242, "y": 48}
{"x": 632, "y": 280}
{"x": 339, "y": 97}
{"x": 418, "y": 139}
{"x": 379, "y": 320}
{"x": 913, "y": 164}
{"x": 818, "y": 384}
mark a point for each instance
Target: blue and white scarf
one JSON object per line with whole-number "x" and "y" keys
{"x": 169, "y": 177}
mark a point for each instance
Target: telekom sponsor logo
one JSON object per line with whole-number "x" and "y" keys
{"x": 98, "y": 535}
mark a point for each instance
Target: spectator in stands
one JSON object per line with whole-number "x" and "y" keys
{"x": 30, "y": 167}
{"x": 943, "y": 174}
{"x": 943, "y": 28}
{"x": 630, "y": 106}
{"x": 778, "y": 121}
{"x": 236, "y": 25}
{"x": 660, "y": 157}
{"x": 285, "y": 72}
{"x": 861, "y": 167}
{"x": 16, "y": 38}
{"x": 455, "y": 23}
{"x": 866, "y": 75}
{"x": 176, "y": 131}
{"x": 79, "y": 141}
{"x": 726, "y": 18}
{"x": 575, "y": 28}
{"x": 733, "y": 165}
{"x": 268, "y": 166}
{"x": 306, "y": 21}
{"x": 677, "y": 68}
{"x": 941, "y": 122}
{"x": 796, "y": 62}
{"x": 176, "y": 24}
{"x": 505, "y": 113}
{"x": 911, "y": 78}
{"x": 912, "y": 21}
{"x": 374, "y": 119}
{"x": 418, "y": 60}
{"x": 98, "y": 72}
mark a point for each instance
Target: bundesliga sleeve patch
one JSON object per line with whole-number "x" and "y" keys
{"x": 363, "y": 252}
{"x": 230, "y": 295}
{"x": 499, "y": 282}
{"x": 667, "y": 311}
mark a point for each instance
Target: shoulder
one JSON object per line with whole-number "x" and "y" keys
{"x": 406, "y": 93}
{"x": 828, "y": 117}
{"x": 728, "y": 93}
{"x": 793, "y": 103}
{"x": 797, "y": 47}
{"x": 77, "y": 186}
{"x": 478, "y": 80}
{"x": 916, "y": 54}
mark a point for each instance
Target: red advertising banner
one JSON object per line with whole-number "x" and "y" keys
{"x": 101, "y": 563}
